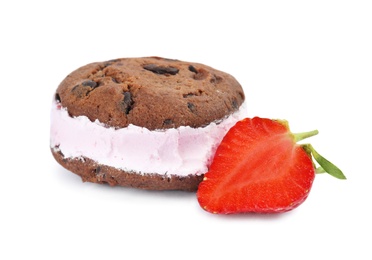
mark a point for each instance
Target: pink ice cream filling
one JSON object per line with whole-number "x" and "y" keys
{"x": 178, "y": 151}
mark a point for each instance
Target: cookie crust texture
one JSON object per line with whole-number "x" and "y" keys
{"x": 91, "y": 171}
{"x": 150, "y": 92}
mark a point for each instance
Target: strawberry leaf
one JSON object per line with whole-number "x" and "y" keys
{"x": 326, "y": 166}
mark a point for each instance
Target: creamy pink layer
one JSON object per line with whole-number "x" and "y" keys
{"x": 178, "y": 151}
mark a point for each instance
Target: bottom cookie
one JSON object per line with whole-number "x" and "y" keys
{"x": 91, "y": 171}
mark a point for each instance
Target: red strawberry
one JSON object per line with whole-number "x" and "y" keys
{"x": 258, "y": 167}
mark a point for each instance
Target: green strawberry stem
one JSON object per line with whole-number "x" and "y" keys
{"x": 301, "y": 136}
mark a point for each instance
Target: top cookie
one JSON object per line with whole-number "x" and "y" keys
{"x": 150, "y": 92}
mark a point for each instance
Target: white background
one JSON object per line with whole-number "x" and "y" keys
{"x": 309, "y": 62}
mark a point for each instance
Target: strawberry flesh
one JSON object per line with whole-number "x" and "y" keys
{"x": 259, "y": 168}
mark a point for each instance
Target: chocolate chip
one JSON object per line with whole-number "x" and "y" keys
{"x": 127, "y": 103}
{"x": 215, "y": 79}
{"x": 191, "y": 106}
{"x": 90, "y": 83}
{"x": 167, "y": 122}
{"x": 127, "y": 98}
{"x": 234, "y": 103}
{"x": 193, "y": 69}
{"x": 81, "y": 91}
{"x": 202, "y": 74}
{"x": 161, "y": 69}
{"x": 188, "y": 95}
{"x": 57, "y": 97}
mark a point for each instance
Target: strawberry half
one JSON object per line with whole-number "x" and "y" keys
{"x": 259, "y": 167}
